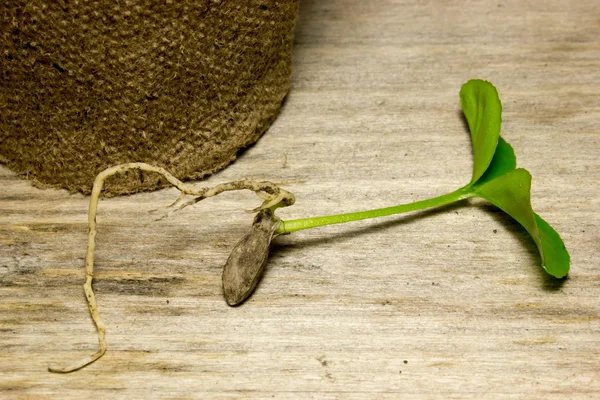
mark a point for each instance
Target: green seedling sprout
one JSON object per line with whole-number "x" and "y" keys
{"x": 495, "y": 178}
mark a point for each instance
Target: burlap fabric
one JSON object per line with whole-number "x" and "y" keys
{"x": 183, "y": 84}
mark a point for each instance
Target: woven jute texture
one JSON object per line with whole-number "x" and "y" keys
{"x": 183, "y": 84}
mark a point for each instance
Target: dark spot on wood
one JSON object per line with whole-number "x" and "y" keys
{"x": 152, "y": 286}
{"x": 323, "y": 361}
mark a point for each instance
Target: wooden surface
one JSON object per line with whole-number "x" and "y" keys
{"x": 445, "y": 304}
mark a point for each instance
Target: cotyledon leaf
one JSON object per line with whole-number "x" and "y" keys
{"x": 511, "y": 193}
{"x": 483, "y": 111}
{"x": 504, "y": 161}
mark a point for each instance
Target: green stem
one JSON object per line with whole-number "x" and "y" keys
{"x": 307, "y": 223}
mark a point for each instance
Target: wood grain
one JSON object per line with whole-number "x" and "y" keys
{"x": 448, "y": 304}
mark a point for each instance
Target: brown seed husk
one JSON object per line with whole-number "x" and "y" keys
{"x": 247, "y": 261}
{"x": 182, "y": 85}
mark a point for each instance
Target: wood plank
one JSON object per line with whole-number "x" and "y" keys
{"x": 445, "y": 304}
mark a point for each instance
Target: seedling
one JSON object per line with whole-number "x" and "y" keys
{"x": 495, "y": 178}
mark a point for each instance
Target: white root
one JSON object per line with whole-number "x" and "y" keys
{"x": 272, "y": 196}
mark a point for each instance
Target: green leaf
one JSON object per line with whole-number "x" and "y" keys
{"x": 511, "y": 193}
{"x": 483, "y": 111}
{"x": 504, "y": 161}
{"x": 553, "y": 248}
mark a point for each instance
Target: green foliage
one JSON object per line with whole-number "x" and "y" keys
{"x": 510, "y": 192}
{"x": 483, "y": 111}
{"x": 495, "y": 178}
{"x": 498, "y": 181}
{"x": 504, "y": 161}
